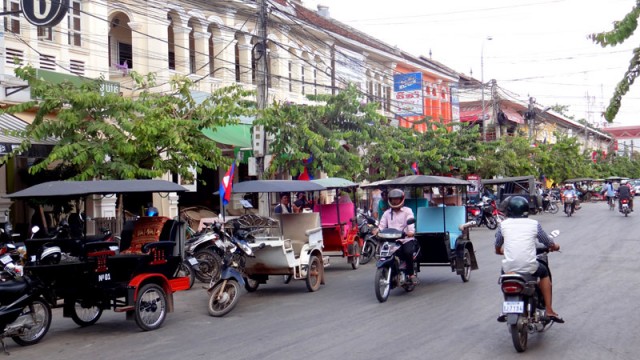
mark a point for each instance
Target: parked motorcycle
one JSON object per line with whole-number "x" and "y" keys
{"x": 25, "y": 314}
{"x": 367, "y": 229}
{"x": 624, "y": 207}
{"x": 523, "y": 304}
{"x": 484, "y": 213}
{"x": 224, "y": 291}
{"x": 390, "y": 271}
{"x": 202, "y": 255}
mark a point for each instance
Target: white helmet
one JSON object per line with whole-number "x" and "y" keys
{"x": 396, "y": 198}
{"x": 624, "y": 182}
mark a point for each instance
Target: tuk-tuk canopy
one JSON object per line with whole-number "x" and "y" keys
{"x": 579, "y": 180}
{"x": 506, "y": 180}
{"x": 379, "y": 183}
{"x": 276, "y": 186}
{"x": 102, "y": 187}
{"x": 426, "y": 180}
{"x": 335, "y": 183}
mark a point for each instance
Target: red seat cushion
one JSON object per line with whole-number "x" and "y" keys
{"x": 145, "y": 230}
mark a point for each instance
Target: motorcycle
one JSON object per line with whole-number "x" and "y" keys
{"x": 524, "y": 308}
{"x": 202, "y": 256}
{"x": 624, "y": 207}
{"x": 367, "y": 229}
{"x": 485, "y": 213}
{"x": 390, "y": 271}
{"x": 549, "y": 203}
{"x": 224, "y": 291}
{"x": 569, "y": 204}
{"x": 25, "y": 314}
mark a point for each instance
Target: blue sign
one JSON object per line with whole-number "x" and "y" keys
{"x": 407, "y": 82}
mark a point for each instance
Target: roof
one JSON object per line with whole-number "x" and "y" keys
{"x": 335, "y": 183}
{"x": 10, "y": 123}
{"x": 507, "y": 180}
{"x": 103, "y": 187}
{"x": 267, "y": 186}
{"x": 426, "y": 180}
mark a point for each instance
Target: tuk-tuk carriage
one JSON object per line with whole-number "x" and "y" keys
{"x": 338, "y": 220}
{"x": 290, "y": 245}
{"x": 517, "y": 186}
{"x": 441, "y": 227}
{"x": 137, "y": 276}
{"x": 584, "y": 187}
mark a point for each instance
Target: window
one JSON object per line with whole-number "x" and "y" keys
{"x": 75, "y": 37}
{"x": 13, "y": 55}
{"x": 45, "y": 33}
{"x": 387, "y": 98}
{"x": 125, "y": 55}
{"x": 171, "y": 56}
{"x": 192, "y": 52}
{"x": 76, "y": 67}
{"x": 212, "y": 57}
{"x": 237, "y": 64}
{"x": 254, "y": 65}
{"x": 12, "y": 22}
{"x": 290, "y": 76}
{"x": 315, "y": 81}
{"x": 302, "y": 78}
{"x": 47, "y": 62}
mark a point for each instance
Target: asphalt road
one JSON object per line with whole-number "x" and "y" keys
{"x": 596, "y": 290}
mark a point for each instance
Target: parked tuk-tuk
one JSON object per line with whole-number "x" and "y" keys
{"x": 518, "y": 185}
{"x": 339, "y": 228}
{"x": 137, "y": 276}
{"x": 290, "y": 245}
{"x": 438, "y": 204}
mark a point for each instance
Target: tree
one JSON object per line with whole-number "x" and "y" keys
{"x": 107, "y": 136}
{"x": 622, "y": 30}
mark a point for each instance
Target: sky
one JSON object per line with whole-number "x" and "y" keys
{"x": 537, "y": 48}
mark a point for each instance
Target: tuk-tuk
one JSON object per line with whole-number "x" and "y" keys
{"x": 518, "y": 185}
{"x": 441, "y": 227}
{"x": 137, "y": 276}
{"x": 339, "y": 228}
{"x": 290, "y": 245}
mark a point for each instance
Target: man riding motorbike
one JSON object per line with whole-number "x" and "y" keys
{"x": 516, "y": 239}
{"x": 624, "y": 192}
{"x": 570, "y": 191}
{"x": 396, "y": 217}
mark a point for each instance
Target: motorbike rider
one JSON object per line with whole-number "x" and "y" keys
{"x": 570, "y": 191}
{"x": 396, "y": 217}
{"x": 624, "y": 192}
{"x": 516, "y": 239}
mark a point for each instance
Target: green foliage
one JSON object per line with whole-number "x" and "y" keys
{"x": 112, "y": 137}
{"x": 622, "y": 30}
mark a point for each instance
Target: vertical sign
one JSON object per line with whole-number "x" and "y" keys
{"x": 407, "y": 93}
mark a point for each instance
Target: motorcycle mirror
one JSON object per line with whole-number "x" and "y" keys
{"x": 555, "y": 233}
{"x": 35, "y": 229}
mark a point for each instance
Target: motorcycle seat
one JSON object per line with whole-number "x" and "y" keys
{"x": 10, "y": 289}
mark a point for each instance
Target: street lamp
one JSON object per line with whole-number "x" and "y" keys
{"x": 484, "y": 127}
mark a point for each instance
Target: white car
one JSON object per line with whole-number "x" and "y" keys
{"x": 636, "y": 187}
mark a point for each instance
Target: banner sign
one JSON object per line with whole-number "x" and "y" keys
{"x": 407, "y": 92}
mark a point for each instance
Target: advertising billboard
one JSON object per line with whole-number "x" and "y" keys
{"x": 407, "y": 94}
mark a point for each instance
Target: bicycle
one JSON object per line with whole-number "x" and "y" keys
{"x": 612, "y": 203}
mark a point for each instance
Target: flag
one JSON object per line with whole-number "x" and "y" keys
{"x": 305, "y": 175}
{"x": 414, "y": 168}
{"x": 227, "y": 184}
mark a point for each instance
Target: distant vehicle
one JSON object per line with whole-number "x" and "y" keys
{"x": 636, "y": 186}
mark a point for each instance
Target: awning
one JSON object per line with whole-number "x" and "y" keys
{"x": 473, "y": 113}
{"x": 238, "y": 135}
{"x": 513, "y": 115}
{"x": 8, "y": 142}
{"x": 59, "y": 78}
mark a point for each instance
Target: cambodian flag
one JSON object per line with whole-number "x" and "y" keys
{"x": 227, "y": 184}
{"x": 414, "y": 168}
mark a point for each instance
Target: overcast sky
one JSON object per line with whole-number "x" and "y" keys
{"x": 539, "y": 48}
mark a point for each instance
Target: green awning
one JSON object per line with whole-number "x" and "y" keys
{"x": 238, "y": 135}
{"x": 59, "y": 78}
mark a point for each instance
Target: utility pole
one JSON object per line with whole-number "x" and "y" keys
{"x": 531, "y": 116}
{"x": 494, "y": 106}
{"x": 260, "y": 144}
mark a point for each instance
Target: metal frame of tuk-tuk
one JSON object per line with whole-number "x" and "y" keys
{"x": 294, "y": 247}
{"x": 338, "y": 220}
{"x": 439, "y": 229}
{"x": 525, "y": 183}
{"x": 92, "y": 276}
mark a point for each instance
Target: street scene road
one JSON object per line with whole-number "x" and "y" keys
{"x": 596, "y": 288}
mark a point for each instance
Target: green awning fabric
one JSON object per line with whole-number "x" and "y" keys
{"x": 235, "y": 135}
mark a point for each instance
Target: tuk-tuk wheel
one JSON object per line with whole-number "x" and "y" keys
{"x": 466, "y": 263}
{"x": 151, "y": 307}
{"x": 355, "y": 259}
{"x": 314, "y": 273}
{"x": 84, "y": 315}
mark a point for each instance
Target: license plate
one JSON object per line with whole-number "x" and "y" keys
{"x": 510, "y": 307}
{"x": 6, "y": 259}
{"x": 192, "y": 261}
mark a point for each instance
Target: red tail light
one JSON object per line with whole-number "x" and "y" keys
{"x": 510, "y": 287}
{"x": 624, "y": 201}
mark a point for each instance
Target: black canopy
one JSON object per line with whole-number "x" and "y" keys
{"x": 269, "y": 186}
{"x": 84, "y": 188}
{"x": 426, "y": 180}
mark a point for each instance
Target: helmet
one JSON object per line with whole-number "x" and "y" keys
{"x": 151, "y": 211}
{"x": 518, "y": 207}
{"x": 396, "y": 198}
{"x": 623, "y": 182}
{"x": 50, "y": 255}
